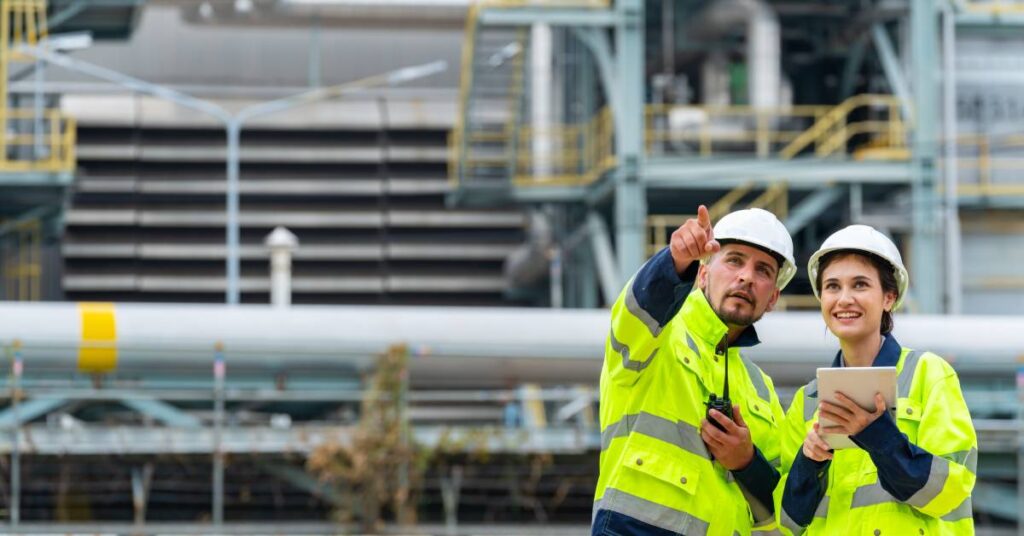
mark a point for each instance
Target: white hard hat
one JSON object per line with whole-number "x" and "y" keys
{"x": 760, "y": 228}
{"x": 862, "y": 238}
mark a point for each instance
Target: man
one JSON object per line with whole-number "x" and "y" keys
{"x": 665, "y": 469}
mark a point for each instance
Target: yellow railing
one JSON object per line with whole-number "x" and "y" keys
{"x": 461, "y": 161}
{"x": 456, "y": 141}
{"x": 46, "y": 144}
{"x": 711, "y": 130}
{"x": 782, "y": 131}
{"x": 774, "y": 199}
{"x": 20, "y": 254}
{"x": 983, "y": 171}
{"x": 566, "y": 154}
{"x": 833, "y": 131}
{"x": 28, "y": 141}
{"x": 993, "y": 6}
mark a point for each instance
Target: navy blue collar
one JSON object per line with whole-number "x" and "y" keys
{"x": 748, "y": 337}
{"x": 888, "y": 354}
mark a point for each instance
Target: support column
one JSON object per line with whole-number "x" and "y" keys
{"x": 926, "y": 258}
{"x": 542, "y": 97}
{"x": 954, "y": 285}
{"x": 630, "y": 197}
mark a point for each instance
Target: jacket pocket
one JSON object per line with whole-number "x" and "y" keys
{"x": 668, "y": 468}
{"x": 761, "y": 409}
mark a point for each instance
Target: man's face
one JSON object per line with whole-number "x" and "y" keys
{"x": 739, "y": 283}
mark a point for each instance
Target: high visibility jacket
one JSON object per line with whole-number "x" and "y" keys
{"x": 654, "y": 466}
{"x": 857, "y": 499}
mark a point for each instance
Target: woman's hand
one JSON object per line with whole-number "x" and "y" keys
{"x": 849, "y": 418}
{"x": 815, "y": 447}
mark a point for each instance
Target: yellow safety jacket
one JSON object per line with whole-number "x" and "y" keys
{"x": 654, "y": 465}
{"x": 932, "y": 413}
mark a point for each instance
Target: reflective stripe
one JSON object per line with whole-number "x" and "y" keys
{"x": 871, "y": 495}
{"x": 623, "y": 350}
{"x": 692, "y": 345}
{"x": 822, "y": 509}
{"x": 652, "y": 513}
{"x": 756, "y": 379}
{"x": 788, "y": 522}
{"x": 907, "y": 373}
{"x": 964, "y": 511}
{"x": 966, "y": 458}
{"x": 810, "y": 399}
{"x": 640, "y": 313}
{"x": 619, "y": 428}
{"x": 933, "y": 486}
{"x": 811, "y": 389}
{"x": 776, "y": 462}
{"x": 680, "y": 434}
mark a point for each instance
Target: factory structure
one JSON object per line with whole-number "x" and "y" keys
{"x": 302, "y": 266}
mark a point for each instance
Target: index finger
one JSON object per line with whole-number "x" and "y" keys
{"x": 703, "y": 218}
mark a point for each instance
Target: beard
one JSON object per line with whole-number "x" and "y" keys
{"x": 731, "y": 315}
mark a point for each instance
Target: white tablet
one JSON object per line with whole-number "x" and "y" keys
{"x": 860, "y": 385}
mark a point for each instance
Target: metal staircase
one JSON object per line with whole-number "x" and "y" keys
{"x": 485, "y": 135}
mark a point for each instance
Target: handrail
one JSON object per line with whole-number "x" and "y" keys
{"x": 829, "y": 132}
{"x": 51, "y": 149}
{"x": 29, "y": 141}
{"x": 774, "y": 199}
{"x": 456, "y": 140}
{"x": 993, "y": 8}
{"x": 987, "y": 165}
{"x": 20, "y": 254}
{"x": 585, "y": 152}
{"x": 724, "y": 204}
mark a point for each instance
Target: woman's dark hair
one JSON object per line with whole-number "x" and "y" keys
{"x": 886, "y": 274}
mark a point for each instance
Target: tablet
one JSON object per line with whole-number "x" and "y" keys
{"x": 860, "y": 385}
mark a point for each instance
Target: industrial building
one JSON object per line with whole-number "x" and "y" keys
{"x": 466, "y": 186}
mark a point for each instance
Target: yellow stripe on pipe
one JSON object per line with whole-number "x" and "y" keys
{"x": 97, "y": 352}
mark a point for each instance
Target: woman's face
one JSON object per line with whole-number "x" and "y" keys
{"x": 852, "y": 298}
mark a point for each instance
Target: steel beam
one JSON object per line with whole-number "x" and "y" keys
{"x": 951, "y": 219}
{"x": 28, "y": 410}
{"x": 630, "y": 207}
{"x": 162, "y": 412}
{"x": 604, "y": 258}
{"x": 925, "y": 259}
{"x": 991, "y": 21}
{"x": 891, "y": 66}
{"x": 996, "y": 436}
{"x": 799, "y": 173}
{"x": 527, "y": 16}
{"x": 275, "y": 528}
{"x": 852, "y": 66}
{"x": 304, "y": 481}
{"x": 811, "y": 206}
{"x": 137, "y": 440}
{"x": 597, "y": 42}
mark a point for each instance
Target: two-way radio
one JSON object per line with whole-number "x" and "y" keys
{"x": 723, "y": 405}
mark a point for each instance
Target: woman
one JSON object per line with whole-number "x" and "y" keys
{"x": 914, "y": 472}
